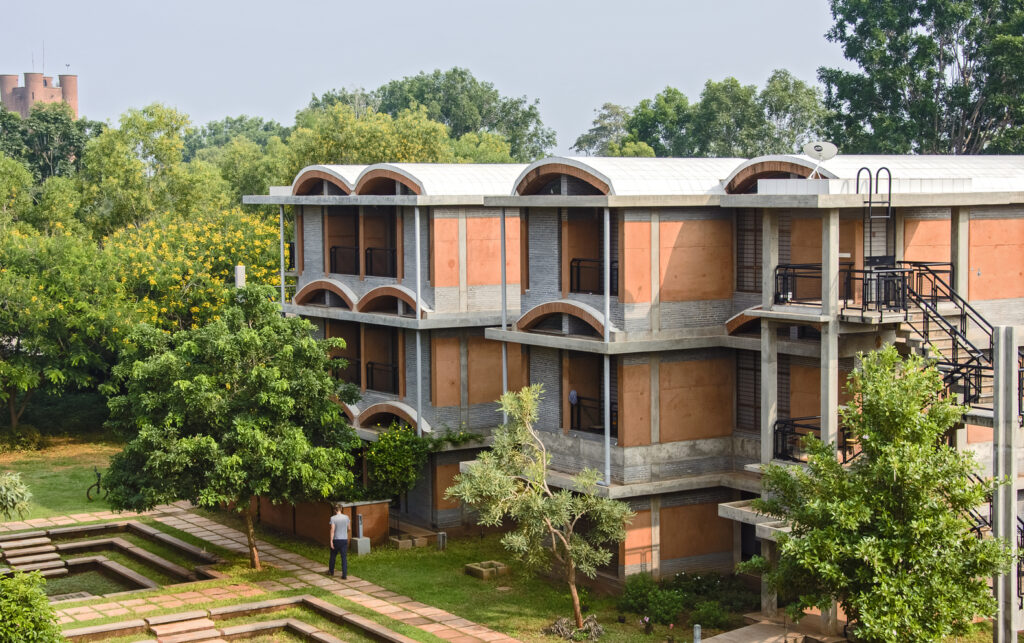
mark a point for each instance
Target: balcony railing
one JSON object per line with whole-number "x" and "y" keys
{"x": 876, "y": 290}
{"x": 587, "y": 414}
{"x": 344, "y": 260}
{"x": 289, "y": 263}
{"x": 382, "y": 377}
{"x": 790, "y": 434}
{"x": 381, "y": 262}
{"x": 586, "y": 276}
{"x": 348, "y": 374}
{"x": 800, "y": 283}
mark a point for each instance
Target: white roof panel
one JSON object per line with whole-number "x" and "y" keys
{"x": 456, "y": 179}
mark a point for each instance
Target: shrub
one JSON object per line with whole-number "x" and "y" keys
{"x": 710, "y": 614}
{"x": 635, "y": 595}
{"x": 24, "y": 437}
{"x": 664, "y": 605}
{"x": 25, "y": 612}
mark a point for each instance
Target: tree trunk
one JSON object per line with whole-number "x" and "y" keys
{"x": 576, "y": 612}
{"x": 250, "y": 533}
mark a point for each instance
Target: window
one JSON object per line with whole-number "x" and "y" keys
{"x": 748, "y": 251}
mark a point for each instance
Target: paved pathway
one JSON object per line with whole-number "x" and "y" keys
{"x": 306, "y": 573}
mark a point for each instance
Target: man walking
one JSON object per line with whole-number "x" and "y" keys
{"x": 339, "y": 540}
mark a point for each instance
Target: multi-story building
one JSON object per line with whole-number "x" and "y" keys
{"x": 690, "y": 319}
{"x": 38, "y": 89}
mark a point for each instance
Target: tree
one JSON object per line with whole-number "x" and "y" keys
{"x": 239, "y": 408}
{"x": 728, "y": 121}
{"x": 220, "y": 133}
{"x": 12, "y": 134}
{"x": 481, "y": 148}
{"x": 572, "y": 527}
{"x": 794, "y": 112}
{"x": 609, "y": 128}
{"x": 62, "y": 315}
{"x": 459, "y": 100}
{"x": 888, "y": 537}
{"x": 55, "y": 140}
{"x": 663, "y": 123}
{"x": 394, "y": 461}
{"x": 936, "y": 77}
{"x": 248, "y": 167}
{"x": 14, "y": 495}
{"x": 26, "y": 614}
{"x": 178, "y": 270}
{"x": 15, "y": 190}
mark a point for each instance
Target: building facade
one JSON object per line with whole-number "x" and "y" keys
{"x": 38, "y": 89}
{"x": 690, "y": 319}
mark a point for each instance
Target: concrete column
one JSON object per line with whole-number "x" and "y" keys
{"x": 607, "y": 335}
{"x": 769, "y": 599}
{"x": 419, "y": 347}
{"x": 1004, "y": 464}
{"x": 655, "y": 271}
{"x": 899, "y": 230}
{"x": 959, "y": 248}
{"x": 280, "y": 225}
{"x": 769, "y": 257}
{"x": 830, "y": 328}
{"x": 504, "y": 316}
{"x": 656, "y": 537}
{"x": 769, "y": 388}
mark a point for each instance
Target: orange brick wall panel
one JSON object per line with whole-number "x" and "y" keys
{"x": 696, "y": 260}
{"x": 446, "y": 252}
{"x": 312, "y": 521}
{"x": 444, "y": 477}
{"x": 977, "y": 434}
{"x": 375, "y": 521}
{"x": 638, "y": 539}
{"x": 277, "y": 516}
{"x": 804, "y": 391}
{"x": 694, "y": 530}
{"x": 484, "y": 370}
{"x": 635, "y": 405}
{"x": 375, "y": 230}
{"x": 483, "y": 251}
{"x": 635, "y": 263}
{"x": 926, "y": 240}
{"x": 996, "y": 259}
{"x": 696, "y": 399}
{"x": 446, "y": 372}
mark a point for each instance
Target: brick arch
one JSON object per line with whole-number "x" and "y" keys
{"x": 370, "y": 179}
{"x": 398, "y": 409}
{"x": 350, "y": 411}
{"x": 398, "y": 292}
{"x": 305, "y": 181}
{"x": 740, "y": 321}
{"x": 306, "y": 292}
{"x": 747, "y": 177}
{"x": 541, "y": 312}
{"x": 533, "y": 179}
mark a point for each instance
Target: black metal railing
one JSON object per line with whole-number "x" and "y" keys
{"x": 800, "y": 283}
{"x": 344, "y": 260}
{"x": 289, "y": 263}
{"x": 381, "y": 262}
{"x": 382, "y": 377}
{"x": 587, "y": 414}
{"x": 586, "y": 276}
{"x": 881, "y": 290}
{"x": 348, "y": 374}
{"x": 925, "y": 273}
{"x": 790, "y": 434}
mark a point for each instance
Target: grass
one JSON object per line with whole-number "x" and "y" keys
{"x": 93, "y": 582}
{"x": 59, "y": 474}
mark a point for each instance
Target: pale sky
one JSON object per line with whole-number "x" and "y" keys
{"x": 216, "y": 58}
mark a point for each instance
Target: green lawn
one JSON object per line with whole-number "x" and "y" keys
{"x": 59, "y": 475}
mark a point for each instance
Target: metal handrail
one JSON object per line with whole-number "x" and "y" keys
{"x": 350, "y": 373}
{"x": 344, "y": 260}
{"x": 386, "y": 260}
{"x": 789, "y": 434}
{"x": 587, "y": 415}
{"x": 586, "y": 276}
{"x": 382, "y": 377}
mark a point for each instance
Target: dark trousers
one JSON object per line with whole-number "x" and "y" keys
{"x": 340, "y": 547}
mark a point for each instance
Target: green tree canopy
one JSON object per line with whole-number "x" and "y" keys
{"x": 888, "y": 537}
{"x": 26, "y": 615}
{"x": 609, "y": 129}
{"x": 935, "y": 77}
{"x": 459, "y": 100}
{"x": 238, "y": 408}
{"x": 220, "y": 133}
{"x": 62, "y": 315}
{"x": 573, "y": 528}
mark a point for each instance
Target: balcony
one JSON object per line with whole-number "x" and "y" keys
{"x": 790, "y": 433}
{"x": 587, "y": 415}
{"x": 348, "y": 374}
{"x": 382, "y": 377}
{"x": 878, "y": 290}
{"x": 344, "y": 260}
{"x": 381, "y": 262}
{"x": 586, "y": 276}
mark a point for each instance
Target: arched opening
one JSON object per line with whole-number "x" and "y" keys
{"x": 384, "y": 413}
{"x": 561, "y": 178}
{"x": 383, "y": 181}
{"x": 318, "y": 182}
{"x": 326, "y": 292}
{"x": 563, "y": 318}
{"x": 745, "y": 180}
{"x": 393, "y": 300}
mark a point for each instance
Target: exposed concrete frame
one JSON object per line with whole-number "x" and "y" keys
{"x": 419, "y": 315}
{"x": 577, "y": 309}
{"x": 280, "y": 225}
{"x": 504, "y": 313}
{"x": 830, "y": 330}
{"x": 607, "y": 359}
{"x": 1006, "y": 440}
{"x": 398, "y": 292}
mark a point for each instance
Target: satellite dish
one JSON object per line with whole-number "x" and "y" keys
{"x": 820, "y": 151}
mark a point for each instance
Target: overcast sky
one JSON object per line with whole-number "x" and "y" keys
{"x": 216, "y": 58}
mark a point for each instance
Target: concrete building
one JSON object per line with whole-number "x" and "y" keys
{"x": 690, "y": 319}
{"x": 38, "y": 89}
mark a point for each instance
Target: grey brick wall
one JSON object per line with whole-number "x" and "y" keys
{"x": 545, "y": 231}
{"x": 409, "y": 253}
{"x": 546, "y": 369}
{"x": 693, "y": 314}
{"x": 312, "y": 244}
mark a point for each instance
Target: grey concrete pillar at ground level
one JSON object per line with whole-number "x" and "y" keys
{"x": 769, "y": 387}
{"x": 769, "y": 599}
{"x": 1004, "y": 502}
{"x": 959, "y": 248}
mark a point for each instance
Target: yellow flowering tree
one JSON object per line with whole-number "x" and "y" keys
{"x": 178, "y": 270}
